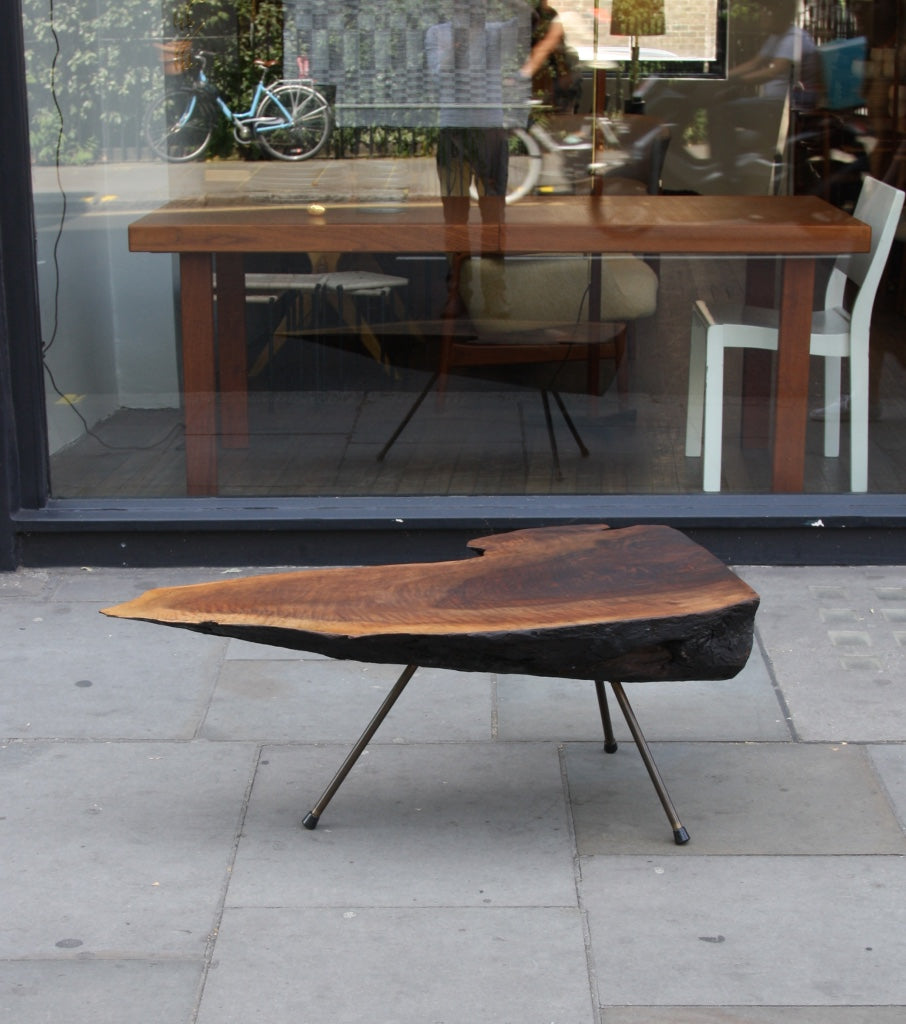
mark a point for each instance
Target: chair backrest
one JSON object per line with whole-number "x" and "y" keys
{"x": 506, "y": 294}
{"x": 879, "y": 205}
{"x": 541, "y": 289}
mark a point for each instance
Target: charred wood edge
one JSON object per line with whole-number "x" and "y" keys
{"x": 706, "y": 646}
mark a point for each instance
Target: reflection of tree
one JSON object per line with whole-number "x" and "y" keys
{"x": 86, "y": 97}
{"x": 238, "y": 32}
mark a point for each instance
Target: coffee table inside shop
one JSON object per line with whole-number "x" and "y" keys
{"x": 639, "y": 604}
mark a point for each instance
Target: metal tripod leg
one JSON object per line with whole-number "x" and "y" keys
{"x": 568, "y": 420}
{"x": 552, "y": 437}
{"x": 610, "y": 741}
{"x": 680, "y": 835}
{"x": 311, "y": 819}
{"x": 413, "y": 409}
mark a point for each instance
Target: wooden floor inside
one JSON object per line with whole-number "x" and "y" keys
{"x": 486, "y": 437}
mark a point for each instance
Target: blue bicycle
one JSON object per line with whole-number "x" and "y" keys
{"x": 289, "y": 119}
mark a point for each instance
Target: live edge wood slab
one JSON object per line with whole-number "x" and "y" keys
{"x": 631, "y": 605}
{"x": 638, "y": 604}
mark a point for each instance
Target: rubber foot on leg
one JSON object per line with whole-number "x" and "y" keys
{"x": 680, "y": 836}
{"x": 310, "y": 821}
{"x": 610, "y": 748}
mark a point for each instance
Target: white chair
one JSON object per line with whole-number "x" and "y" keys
{"x": 836, "y": 332}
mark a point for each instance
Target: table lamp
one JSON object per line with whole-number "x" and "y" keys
{"x": 636, "y": 18}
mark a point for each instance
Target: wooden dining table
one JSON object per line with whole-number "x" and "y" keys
{"x": 212, "y": 237}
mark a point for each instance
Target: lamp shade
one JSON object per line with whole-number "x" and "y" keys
{"x": 637, "y": 18}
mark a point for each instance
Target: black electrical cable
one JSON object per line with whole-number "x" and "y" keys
{"x": 46, "y": 346}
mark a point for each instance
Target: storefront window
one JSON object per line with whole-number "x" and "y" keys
{"x": 383, "y": 262}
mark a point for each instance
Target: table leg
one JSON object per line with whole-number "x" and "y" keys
{"x": 680, "y": 835}
{"x": 231, "y": 350}
{"x": 755, "y": 429}
{"x": 791, "y": 392}
{"x": 199, "y": 378}
{"x": 610, "y": 743}
{"x": 310, "y": 821}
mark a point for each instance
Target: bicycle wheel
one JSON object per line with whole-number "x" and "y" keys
{"x": 311, "y": 122}
{"x": 524, "y": 167}
{"x": 178, "y": 125}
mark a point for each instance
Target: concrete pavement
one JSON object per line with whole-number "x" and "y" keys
{"x": 486, "y": 862}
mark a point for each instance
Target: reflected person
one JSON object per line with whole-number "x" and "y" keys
{"x": 743, "y": 126}
{"x": 552, "y": 66}
{"x": 467, "y": 58}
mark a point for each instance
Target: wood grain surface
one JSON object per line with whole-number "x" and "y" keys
{"x": 745, "y": 225}
{"x": 641, "y": 603}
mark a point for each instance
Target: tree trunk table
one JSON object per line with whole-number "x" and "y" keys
{"x": 639, "y": 604}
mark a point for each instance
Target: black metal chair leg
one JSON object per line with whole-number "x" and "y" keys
{"x": 555, "y": 454}
{"x": 405, "y": 420}
{"x": 568, "y": 420}
{"x": 610, "y": 741}
{"x": 311, "y": 819}
{"x": 680, "y": 835}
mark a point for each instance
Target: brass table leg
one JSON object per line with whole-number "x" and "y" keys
{"x": 680, "y": 835}
{"x": 311, "y": 819}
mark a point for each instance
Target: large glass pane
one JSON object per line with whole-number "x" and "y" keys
{"x": 330, "y": 247}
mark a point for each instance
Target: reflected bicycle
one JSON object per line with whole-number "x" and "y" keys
{"x": 539, "y": 160}
{"x": 289, "y": 118}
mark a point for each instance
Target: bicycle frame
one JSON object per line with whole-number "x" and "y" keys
{"x": 287, "y": 117}
{"x": 245, "y": 119}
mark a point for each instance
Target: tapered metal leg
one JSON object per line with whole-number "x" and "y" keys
{"x": 568, "y": 420}
{"x": 552, "y": 437}
{"x": 311, "y": 819}
{"x": 413, "y": 409}
{"x": 610, "y": 742}
{"x": 680, "y": 835}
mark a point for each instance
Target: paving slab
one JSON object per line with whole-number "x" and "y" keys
{"x": 98, "y": 991}
{"x": 117, "y": 849}
{"x": 24, "y": 583}
{"x": 413, "y": 825}
{"x": 400, "y": 966}
{"x": 324, "y": 701}
{"x": 752, "y": 1015}
{"x": 890, "y": 763}
{"x": 836, "y": 639}
{"x": 734, "y": 798}
{"x": 69, "y": 672}
{"x": 104, "y": 585}
{"x": 738, "y": 931}
{"x": 744, "y": 708}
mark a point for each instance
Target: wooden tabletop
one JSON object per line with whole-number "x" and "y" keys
{"x": 741, "y": 225}
{"x": 585, "y": 602}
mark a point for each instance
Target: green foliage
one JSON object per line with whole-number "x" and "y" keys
{"x": 747, "y": 29}
{"x": 91, "y": 66}
{"x": 378, "y": 141}
{"x": 696, "y": 131}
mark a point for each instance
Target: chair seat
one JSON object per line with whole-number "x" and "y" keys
{"x": 756, "y": 327}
